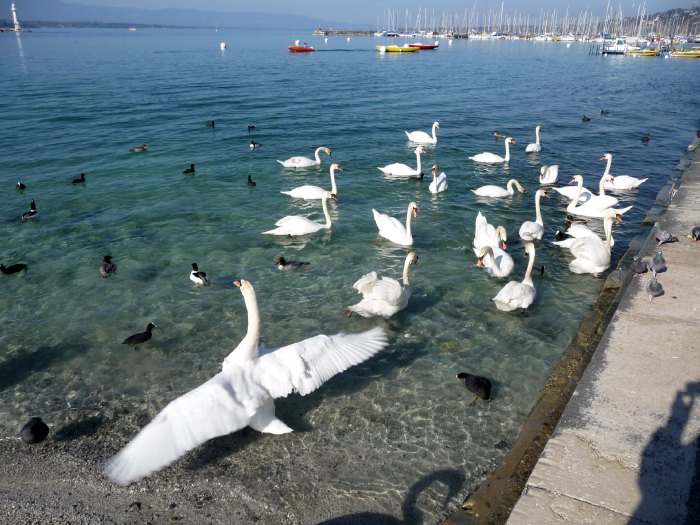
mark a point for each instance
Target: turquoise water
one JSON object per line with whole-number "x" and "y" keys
{"x": 77, "y": 100}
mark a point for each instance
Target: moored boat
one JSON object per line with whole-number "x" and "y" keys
{"x": 694, "y": 52}
{"x": 637, "y": 52}
{"x": 397, "y": 49}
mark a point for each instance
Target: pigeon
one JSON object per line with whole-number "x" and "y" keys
{"x": 663, "y": 236}
{"x": 477, "y": 384}
{"x": 654, "y": 288}
{"x": 657, "y": 263}
{"x": 638, "y": 267}
{"x": 695, "y": 233}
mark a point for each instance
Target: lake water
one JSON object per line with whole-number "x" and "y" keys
{"x": 399, "y": 430}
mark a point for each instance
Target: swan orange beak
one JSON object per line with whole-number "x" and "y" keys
{"x": 236, "y": 283}
{"x": 618, "y": 217}
{"x": 334, "y": 197}
{"x": 415, "y": 212}
{"x": 602, "y": 158}
{"x": 504, "y": 246}
{"x": 572, "y": 181}
{"x": 545, "y": 194}
{"x": 480, "y": 262}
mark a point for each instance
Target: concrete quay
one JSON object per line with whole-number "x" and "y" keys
{"x": 626, "y": 449}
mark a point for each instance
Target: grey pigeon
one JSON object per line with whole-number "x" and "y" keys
{"x": 663, "y": 236}
{"x": 654, "y": 288}
{"x": 638, "y": 267}
{"x": 696, "y": 233}
{"x": 657, "y": 263}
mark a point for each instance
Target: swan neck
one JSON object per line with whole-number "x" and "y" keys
{"x": 434, "y": 136}
{"x": 418, "y": 166}
{"x": 537, "y": 135}
{"x": 408, "y": 222}
{"x": 406, "y": 265}
{"x": 334, "y": 189}
{"x": 530, "y": 265}
{"x": 507, "y": 151}
{"x": 253, "y": 334}
{"x": 574, "y": 201}
{"x": 607, "y": 225}
{"x": 601, "y": 185}
{"x": 538, "y": 213}
{"x": 317, "y": 156}
{"x": 324, "y": 203}
{"x": 607, "y": 166}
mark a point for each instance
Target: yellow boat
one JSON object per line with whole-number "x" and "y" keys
{"x": 642, "y": 52}
{"x": 686, "y": 53}
{"x": 397, "y": 49}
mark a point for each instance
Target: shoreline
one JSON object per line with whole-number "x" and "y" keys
{"x": 495, "y": 498}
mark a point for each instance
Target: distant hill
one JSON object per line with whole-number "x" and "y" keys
{"x": 33, "y": 12}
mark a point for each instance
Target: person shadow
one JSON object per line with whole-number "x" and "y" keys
{"x": 412, "y": 514}
{"x": 669, "y": 474}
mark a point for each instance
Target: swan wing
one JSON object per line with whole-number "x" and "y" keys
{"x": 570, "y": 192}
{"x": 514, "y": 295}
{"x": 304, "y": 366}
{"x": 386, "y": 290}
{"x": 504, "y": 263}
{"x": 530, "y": 230}
{"x": 420, "y": 137}
{"x": 398, "y": 169}
{"x": 297, "y": 162}
{"x": 624, "y": 182}
{"x": 365, "y": 283}
{"x": 388, "y": 224}
{"x": 215, "y": 408}
{"x": 294, "y": 225}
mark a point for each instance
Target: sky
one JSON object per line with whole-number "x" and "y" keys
{"x": 372, "y": 12}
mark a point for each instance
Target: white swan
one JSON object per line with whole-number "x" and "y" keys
{"x": 549, "y": 174}
{"x": 581, "y": 231}
{"x": 516, "y": 294}
{"x": 402, "y": 170}
{"x": 497, "y": 261}
{"x": 242, "y": 394}
{"x": 486, "y": 234}
{"x": 533, "y": 230}
{"x": 305, "y": 162}
{"x": 299, "y": 225}
{"x": 309, "y": 192}
{"x": 592, "y": 254}
{"x": 421, "y": 137}
{"x": 620, "y": 182}
{"x": 439, "y": 183}
{"x": 492, "y": 158}
{"x": 383, "y": 297}
{"x": 491, "y": 190}
{"x": 392, "y": 229}
{"x": 535, "y": 147}
{"x": 584, "y": 210}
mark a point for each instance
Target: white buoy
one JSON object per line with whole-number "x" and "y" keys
{"x": 449, "y": 42}
{"x": 325, "y": 40}
{"x": 348, "y": 39}
{"x": 568, "y": 45}
{"x": 222, "y": 45}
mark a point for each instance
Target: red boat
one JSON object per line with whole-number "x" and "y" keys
{"x": 425, "y": 46}
{"x": 301, "y": 49}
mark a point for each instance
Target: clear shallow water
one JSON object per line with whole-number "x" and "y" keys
{"x": 77, "y": 100}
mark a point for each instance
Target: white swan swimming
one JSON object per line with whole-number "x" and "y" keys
{"x": 516, "y": 294}
{"x": 533, "y": 230}
{"x": 486, "y": 234}
{"x": 309, "y": 192}
{"x": 306, "y": 162}
{"x": 535, "y": 147}
{"x": 402, "y": 170}
{"x": 439, "y": 182}
{"x": 491, "y": 190}
{"x": 492, "y": 158}
{"x": 392, "y": 229}
{"x": 383, "y": 297}
{"x": 581, "y": 231}
{"x": 497, "y": 261}
{"x": 421, "y": 137}
{"x": 300, "y": 225}
{"x": 549, "y": 174}
{"x": 620, "y": 182}
{"x": 584, "y": 210}
{"x": 242, "y": 394}
{"x": 592, "y": 254}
